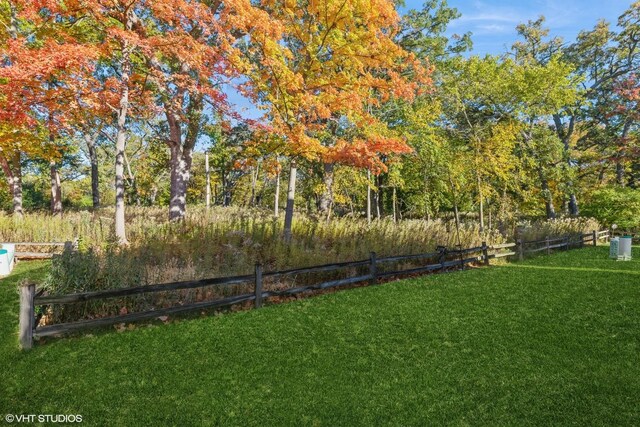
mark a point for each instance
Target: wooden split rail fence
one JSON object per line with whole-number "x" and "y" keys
{"x": 441, "y": 261}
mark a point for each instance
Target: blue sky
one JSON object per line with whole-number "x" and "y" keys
{"x": 493, "y": 24}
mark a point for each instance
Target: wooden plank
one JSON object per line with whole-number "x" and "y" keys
{"x": 520, "y": 250}
{"x": 33, "y": 255}
{"x": 560, "y": 245}
{"x": 485, "y": 253}
{"x": 316, "y": 269}
{"x": 408, "y": 257}
{"x": 462, "y": 261}
{"x": 258, "y": 285}
{"x": 318, "y": 286}
{"x": 431, "y": 267}
{"x": 113, "y": 293}
{"x": 39, "y": 243}
{"x": 464, "y": 251}
{"x": 61, "y": 328}
{"x": 27, "y": 315}
{"x": 531, "y": 242}
{"x": 531, "y": 251}
{"x": 373, "y": 268}
{"x": 342, "y": 282}
{"x": 503, "y": 246}
{"x": 505, "y": 254}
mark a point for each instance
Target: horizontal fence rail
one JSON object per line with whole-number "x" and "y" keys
{"x": 442, "y": 260}
{"x": 30, "y": 255}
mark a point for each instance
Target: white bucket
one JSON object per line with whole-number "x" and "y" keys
{"x": 624, "y": 252}
{"x": 11, "y": 249}
{"x": 5, "y": 265}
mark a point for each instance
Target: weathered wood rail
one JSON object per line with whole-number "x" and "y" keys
{"x": 442, "y": 260}
{"x": 54, "y": 246}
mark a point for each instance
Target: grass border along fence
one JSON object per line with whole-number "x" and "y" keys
{"x": 444, "y": 259}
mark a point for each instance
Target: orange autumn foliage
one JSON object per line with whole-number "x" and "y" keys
{"x": 338, "y": 61}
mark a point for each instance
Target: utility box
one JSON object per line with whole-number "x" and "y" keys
{"x": 614, "y": 247}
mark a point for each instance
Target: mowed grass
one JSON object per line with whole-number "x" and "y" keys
{"x": 550, "y": 341}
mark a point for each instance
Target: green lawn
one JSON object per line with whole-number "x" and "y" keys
{"x": 549, "y": 341}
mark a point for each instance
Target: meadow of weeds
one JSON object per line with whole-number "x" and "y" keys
{"x": 224, "y": 242}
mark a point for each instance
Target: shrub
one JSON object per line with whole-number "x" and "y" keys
{"x": 615, "y": 205}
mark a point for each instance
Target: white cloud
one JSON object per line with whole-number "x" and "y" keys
{"x": 492, "y": 29}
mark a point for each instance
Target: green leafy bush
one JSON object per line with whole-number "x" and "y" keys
{"x": 615, "y": 205}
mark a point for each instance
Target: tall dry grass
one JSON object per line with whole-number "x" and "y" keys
{"x": 224, "y": 242}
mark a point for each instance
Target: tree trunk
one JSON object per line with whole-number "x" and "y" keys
{"x": 56, "y": 190}
{"x": 326, "y": 198}
{"x": 95, "y": 177}
{"x": 291, "y": 192}
{"x": 121, "y": 135}
{"x": 153, "y": 195}
{"x": 226, "y": 190}
{"x": 379, "y": 197}
{"x": 481, "y": 203}
{"x": 16, "y": 189}
{"x": 368, "y": 196}
{"x": 208, "y": 181}
{"x": 620, "y": 157}
{"x": 276, "y": 201}
{"x": 573, "y": 205}
{"x": 544, "y": 185}
{"x": 119, "y": 181}
{"x": 490, "y": 217}
{"x": 393, "y": 200}
{"x": 619, "y": 173}
{"x": 182, "y": 153}
{"x": 254, "y": 183}
{"x": 181, "y": 160}
{"x": 12, "y": 169}
{"x": 565, "y": 133}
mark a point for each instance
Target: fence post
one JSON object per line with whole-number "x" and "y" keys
{"x": 485, "y": 253}
{"x": 442, "y": 256}
{"x": 258, "y": 285}
{"x": 566, "y": 242}
{"x": 27, "y": 314}
{"x": 547, "y": 243}
{"x": 520, "y": 244}
{"x": 595, "y": 237}
{"x": 373, "y": 268}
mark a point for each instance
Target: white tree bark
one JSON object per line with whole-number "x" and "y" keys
{"x": 13, "y": 171}
{"x": 121, "y": 139}
{"x": 276, "y": 202}
{"x": 291, "y": 193}
{"x": 56, "y": 190}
